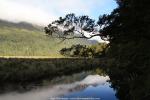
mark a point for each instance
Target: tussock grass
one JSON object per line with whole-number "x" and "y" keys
{"x": 20, "y": 42}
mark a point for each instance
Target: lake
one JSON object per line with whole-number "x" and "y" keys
{"x": 81, "y": 86}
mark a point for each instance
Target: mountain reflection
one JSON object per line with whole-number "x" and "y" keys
{"x": 60, "y": 89}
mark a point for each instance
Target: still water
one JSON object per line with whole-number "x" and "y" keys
{"x": 79, "y": 86}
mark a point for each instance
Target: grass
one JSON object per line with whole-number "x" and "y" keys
{"x": 23, "y": 42}
{"x": 20, "y": 42}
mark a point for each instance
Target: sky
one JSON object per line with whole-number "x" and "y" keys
{"x": 42, "y": 12}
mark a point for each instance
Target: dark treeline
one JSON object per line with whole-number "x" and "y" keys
{"x": 94, "y": 51}
{"x": 128, "y": 29}
{"x": 29, "y": 70}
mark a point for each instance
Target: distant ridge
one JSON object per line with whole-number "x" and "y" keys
{"x": 93, "y": 41}
{"x": 20, "y": 25}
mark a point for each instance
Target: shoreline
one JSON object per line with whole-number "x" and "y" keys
{"x": 18, "y": 70}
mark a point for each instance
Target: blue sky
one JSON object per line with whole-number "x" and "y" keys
{"x": 43, "y": 12}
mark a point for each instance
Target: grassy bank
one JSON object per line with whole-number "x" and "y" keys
{"x": 18, "y": 70}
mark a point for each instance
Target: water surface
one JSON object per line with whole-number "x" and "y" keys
{"x": 81, "y": 86}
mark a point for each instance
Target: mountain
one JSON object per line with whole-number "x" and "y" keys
{"x": 20, "y": 25}
{"x": 93, "y": 42}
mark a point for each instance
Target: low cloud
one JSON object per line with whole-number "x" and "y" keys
{"x": 43, "y": 12}
{"x": 13, "y": 11}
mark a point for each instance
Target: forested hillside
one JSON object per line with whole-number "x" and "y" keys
{"x": 24, "y": 39}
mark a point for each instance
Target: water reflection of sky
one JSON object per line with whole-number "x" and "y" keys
{"x": 101, "y": 92}
{"x": 92, "y": 86}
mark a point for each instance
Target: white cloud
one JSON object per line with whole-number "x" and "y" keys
{"x": 45, "y": 11}
{"x": 76, "y": 6}
{"x": 16, "y": 12}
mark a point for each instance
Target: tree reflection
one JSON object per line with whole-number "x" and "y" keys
{"x": 130, "y": 83}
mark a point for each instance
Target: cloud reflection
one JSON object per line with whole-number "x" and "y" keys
{"x": 56, "y": 90}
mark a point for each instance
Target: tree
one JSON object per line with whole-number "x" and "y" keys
{"x": 128, "y": 30}
{"x": 130, "y": 21}
{"x": 72, "y": 26}
{"x": 96, "y": 50}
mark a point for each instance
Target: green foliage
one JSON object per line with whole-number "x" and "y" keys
{"x": 130, "y": 21}
{"x": 84, "y": 51}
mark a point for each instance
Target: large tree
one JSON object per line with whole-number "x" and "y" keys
{"x": 72, "y": 26}
{"x": 130, "y": 21}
